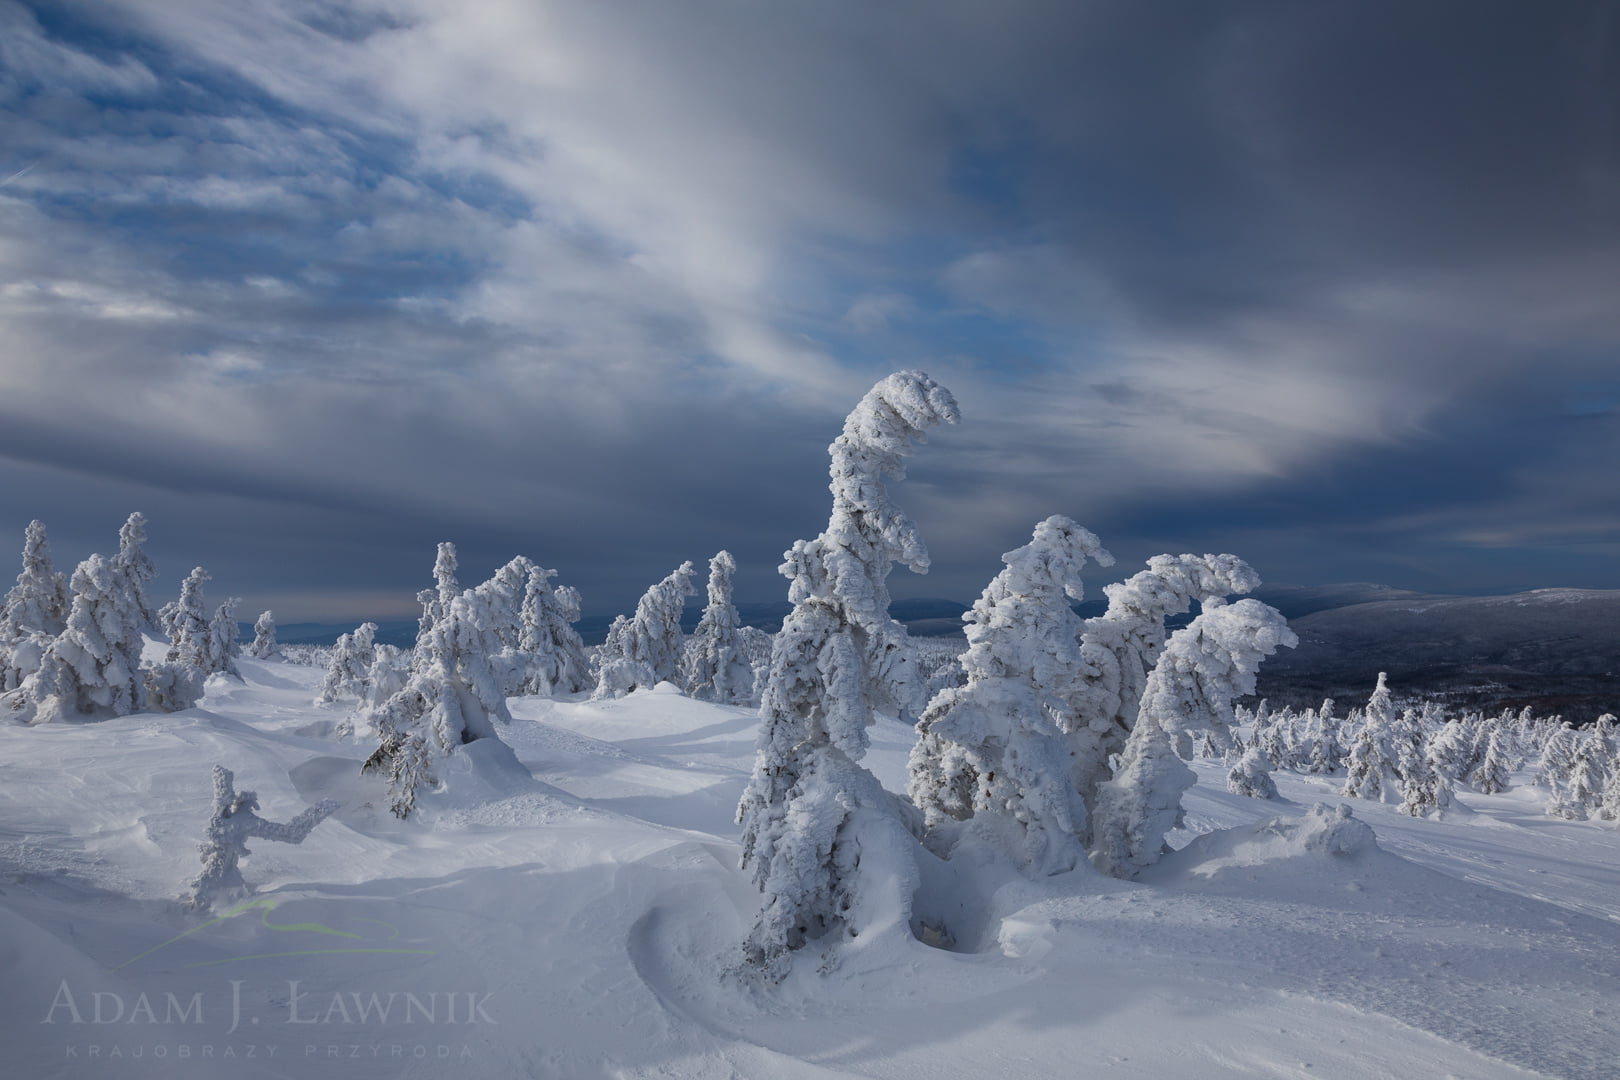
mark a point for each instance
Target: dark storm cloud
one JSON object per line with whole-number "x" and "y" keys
{"x": 317, "y": 286}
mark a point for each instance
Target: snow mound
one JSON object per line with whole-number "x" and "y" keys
{"x": 1323, "y": 831}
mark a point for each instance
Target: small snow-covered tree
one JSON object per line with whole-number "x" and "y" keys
{"x": 715, "y": 665}
{"x": 134, "y": 567}
{"x": 264, "y": 645}
{"x": 451, "y": 697}
{"x": 230, "y": 825}
{"x": 92, "y": 669}
{"x": 810, "y": 809}
{"x": 348, "y": 672}
{"x": 1492, "y": 774}
{"x": 1557, "y": 757}
{"x": 1251, "y": 776}
{"x": 224, "y": 639}
{"x": 997, "y": 745}
{"x": 617, "y": 674}
{"x": 1449, "y": 751}
{"x": 1202, "y": 670}
{"x": 1372, "y": 767}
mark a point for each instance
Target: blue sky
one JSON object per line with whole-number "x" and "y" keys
{"x": 315, "y": 286}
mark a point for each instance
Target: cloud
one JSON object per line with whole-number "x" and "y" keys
{"x": 601, "y": 280}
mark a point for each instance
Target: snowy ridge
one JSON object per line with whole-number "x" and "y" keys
{"x": 592, "y": 907}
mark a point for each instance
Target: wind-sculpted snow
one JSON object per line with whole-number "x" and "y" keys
{"x": 586, "y": 894}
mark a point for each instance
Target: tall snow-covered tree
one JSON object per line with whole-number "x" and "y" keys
{"x": 35, "y": 610}
{"x": 452, "y": 697}
{"x": 649, "y": 643}
{"x": 92, "y": 669}
{"x": 134, "y": 567}
{"x": 230, "y": 825}
{"x": 436, "y": 601}
{"x": 264, "y": 645}
{"x": 715, "y": 666}
{"x": 1201, "y": 671}
{"x": 810, "y": 809}
{"x": 997, "y": 745}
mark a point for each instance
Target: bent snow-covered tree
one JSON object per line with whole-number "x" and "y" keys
{"x": 647, "y": 645}
{"x": 810, "y": 809}
{"x": 230, "y": 825}
{"x": 1122, "y": 645}
{"x": 134, "y": 567}
{"x": 715, "y": 666}
{"x": 92, "y": 669}
{"x": 997, "y": 745}
{"x": 1202, "y": 670}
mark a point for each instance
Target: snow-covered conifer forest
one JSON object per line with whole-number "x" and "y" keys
{"x": 1063, "y": 846}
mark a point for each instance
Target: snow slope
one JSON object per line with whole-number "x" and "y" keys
{"x": 574, "y": 917}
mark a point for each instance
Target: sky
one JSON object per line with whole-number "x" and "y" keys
{"x": 315, "y": 286}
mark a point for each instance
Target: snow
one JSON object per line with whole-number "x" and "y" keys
{"x": 578, "y": 903}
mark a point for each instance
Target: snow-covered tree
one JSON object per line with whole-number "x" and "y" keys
{"x": 92, "y": 669}
{"x": 651, "y": 638}
{"x": 1372, "y": 765}
{"x": 715, "y": 665}
{"x": 1494, "y": 770}
{"x": 1251, "y": 776}
{"x": 231, "y": 824}
{"x": 1122, "y": 645}
{"x": 997, "y": 745}
{"x": 134, "y": 567}
{"x": 617, "y": 674}
{"x": 1557, "y": 757}
{"x": 224, "y": 639}
{"x": 436, "y": 601}
{"x": 557, "y": 661}
{"x": 1450, "y": 751}
{"x": 264, "y": 645}
{"x": 1202, "y": 670}
{"x": 348, "y": 672}
{"x": 35, "y": 609}
{"x": 187, "y": 623}
{"x": 810, "y": 809}
{"x": 452, "y": 697}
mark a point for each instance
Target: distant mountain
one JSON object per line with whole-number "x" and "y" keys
{"x": 1297, "y": 601}
{"x": 1556, "y": 650}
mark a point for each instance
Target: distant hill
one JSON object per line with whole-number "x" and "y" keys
{"x": 1556, "y": 650}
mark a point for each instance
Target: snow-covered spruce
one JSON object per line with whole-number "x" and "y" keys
{"x": 451, "y": 697}
{"x": 436, "y": 601}
{"x": 35, "y": 609}
{"x": 229, "y": 827}
{"x": 92, "y": 669}
{"x": 348, "y": 673}
{"x": 187, "y": 622}
{"x": 1121, "y": 646}
{"x": 1372, "y": 765}
{"x": 810, "y": 809}
{"x": 1251, "y": 776}
{"x": 997, "y": 744}
{"x": 224, "y": 638}
{"x": 134, "y": 567}
{"x": 715, "y": 664}
{"x": 1202, "y": 670}
{"x": 264, "y": 645}
{"x": 556, "y": 655}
